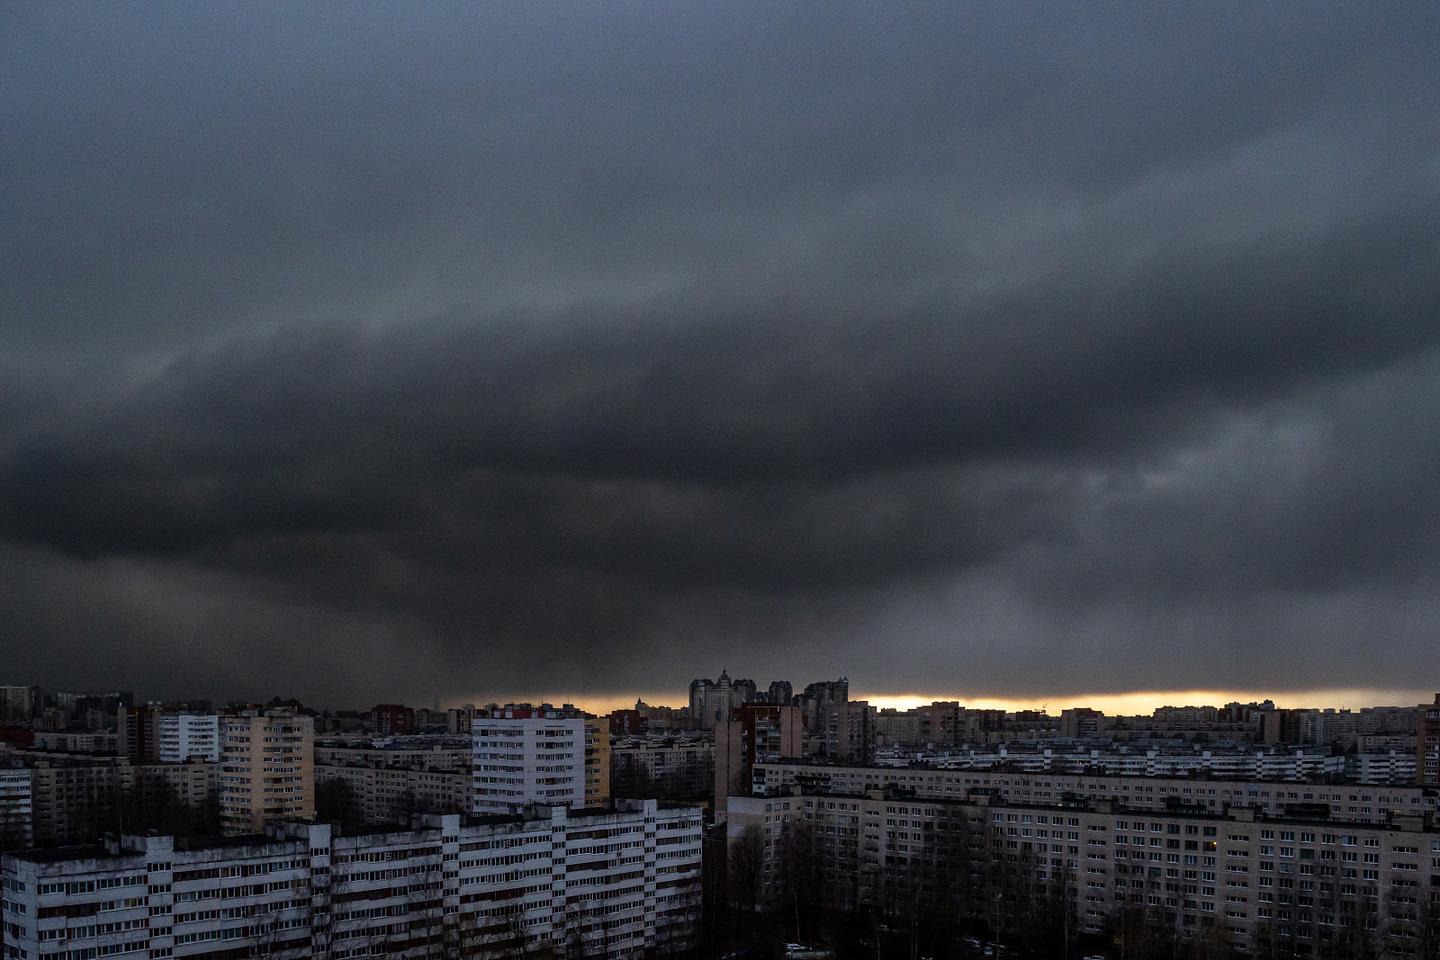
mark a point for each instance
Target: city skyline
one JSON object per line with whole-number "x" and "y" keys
{"x": 1113, "y": 702}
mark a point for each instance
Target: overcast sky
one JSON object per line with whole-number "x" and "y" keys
{"x": 364, "y": 352}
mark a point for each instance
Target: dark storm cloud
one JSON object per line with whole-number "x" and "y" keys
{"x": 934, "y": 346}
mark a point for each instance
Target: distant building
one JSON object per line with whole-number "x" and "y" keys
{"x": 528, "y": 760}
{"x": 153, "y": 732}
{"x": 780, "y": 693}
{"x": 1270, "y": 795}
{"x": 666, "y": 767}
{"x": 849, "y": 731}
{"x": 461, "y": 720}
{"x": 1427, "y": 744}
{"x": 77, "y": 741}
{"x": 20, "y": 703}
{"x": 16, "y": 810}
{"x": 1100, "y": 854}
{"x": 76, "y": 798}
{"x": 895, "y": 728}
{"x": 713, "y": 701}
{"x": 429, "y": 752}
{"x": 757, "y": 734}
{"x": 1078, "y": 722}
{"x": 378, "y": 793}
{"x": 664, "y": 718}
{"x": 627, "y": 723}
{"x": 597, "y": 761}
{"x": 827, "y": 692}
{"x": 188, "y": 736}
{"x": 136, "y": 734}
{"x": 392, "y": 719}
{"x": 80, "y": 706}
{"x": 702, "y": 693}
{"x": 1283, "y": 726}
{"x": 266, "y": 769}
{"x": 818, "y": 696}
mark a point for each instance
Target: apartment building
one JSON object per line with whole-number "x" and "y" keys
{"x": 942, "y": 724}
{"x": 392, "y": 719}
{"x": 16, "y": 809}
{"x": 392, "y": 794}
{"x": 76, "y": 798}
{"x": 266, "y": 769}
{"x": 848, "y": 729}
{"x": 1299, "y": 883}
{"x": 597, "y": 761}
{"x": 20, "y": 703}
{"x": 186, "y": 736}
{"x": 756, "y": 734}
{"x": 1390, "y": 767}
{"x": 1298, "y": 763}
{"x": 387, "y": 781}
{"x": 76, "y": 741}
{"x": 1427, "y": 744}
{"x": 527, "y": 760}
{"x": 1080, "y": 722}
{"x": 712, "y": 701}
{"x": 617, "y": 884}
{"x": 673, "y": 767}
{"x": 431, "y": 753}
{"x": 1342, "y": 802}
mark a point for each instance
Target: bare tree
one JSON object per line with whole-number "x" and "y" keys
{"x": 799, "y": 873}
{"x": 747, "y": 867}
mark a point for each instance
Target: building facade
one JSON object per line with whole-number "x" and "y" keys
{"x": 713, "y": 701}
{"x": 186, "y": 736}
{"x": 379, "y": 794}
{"x": 597, "y": 761}
{"x": 392, "y": 719}
{"x": 1427, "y": 744}
{"x": 16, "y": 808}
{"x": 757, "y": 734}
{"x": 614, "y": 884}
{"x": 74, "y": 799}
{"x": 266, "y": 769}
{"x": 525, "y": 761}
{"x": 432, "y": 753}
{"x": 1260, "y": 885}
{"x": 849, "y": 731}
{"x": 1340, "y": 802}
{"x": 664, "y": 767}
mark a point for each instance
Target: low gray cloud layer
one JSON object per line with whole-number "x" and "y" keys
{"x": 383, "y": 350}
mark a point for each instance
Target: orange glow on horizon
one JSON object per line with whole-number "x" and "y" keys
{"x": 1132, "y": 702}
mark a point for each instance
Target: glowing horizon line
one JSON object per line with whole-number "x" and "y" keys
{"x": 1128, "y": 702}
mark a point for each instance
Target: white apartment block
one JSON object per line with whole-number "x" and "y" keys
{"x": 617, "y": 884}
{"x": 535, "y": 760}
{"x": 1343, "y": 802}
{"x": 1247, "y": 876}
{"x": 182, "y": 736}
{"x": 1293, "y": 764}
{"x": 1376, "y": 768}
{"x": 16, "y": 808}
